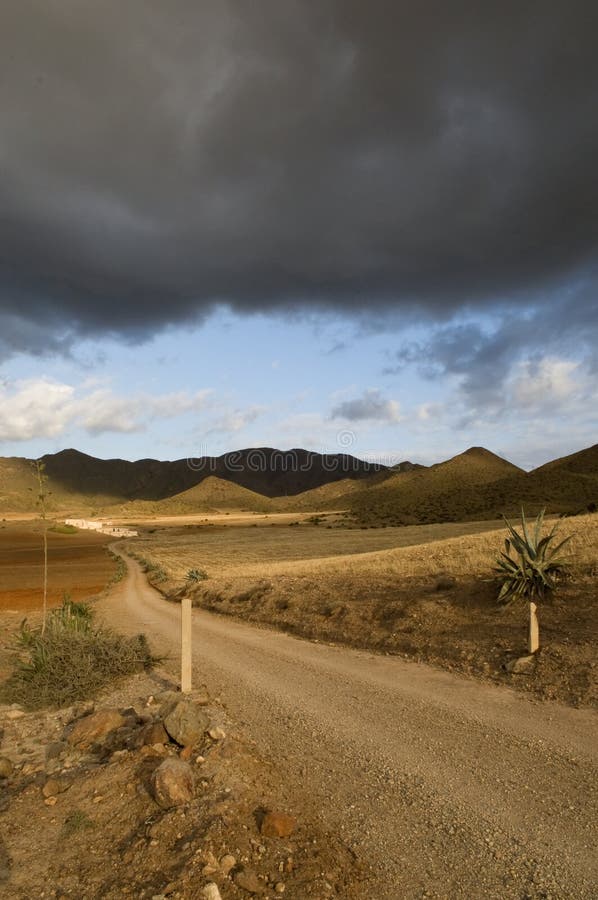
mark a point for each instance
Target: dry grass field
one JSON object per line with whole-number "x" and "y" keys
{"x": 226, "y": 550}
{"x": 423, "y": 591}
{"x": 78, "y": 564}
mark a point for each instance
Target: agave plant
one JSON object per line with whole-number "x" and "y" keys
{"x": 529, "y": 568}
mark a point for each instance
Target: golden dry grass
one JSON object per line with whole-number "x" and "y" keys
{"x": 456, "y": 549}
{"x": 388, "y": 590}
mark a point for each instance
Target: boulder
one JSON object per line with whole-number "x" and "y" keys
{"x": 186, "y": 723}
{"x": 248, "y": 880}
{"x": 173, "y": 783}
{"x": 155, "y": 733}
{"x": 525, "y": 665}
{"x": 93, "y": 728}
{"x": 55, "y": 786}
{"x": 278, "y": 824}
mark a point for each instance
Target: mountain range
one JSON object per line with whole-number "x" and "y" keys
{"x": 476, "y": 484}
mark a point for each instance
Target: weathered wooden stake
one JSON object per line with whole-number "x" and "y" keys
{"x": 534, "y": 629}
{"x": 186, "y": 650}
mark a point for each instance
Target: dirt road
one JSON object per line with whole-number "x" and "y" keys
{"x": 444, "y": 787}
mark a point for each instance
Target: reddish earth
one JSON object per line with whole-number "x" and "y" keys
{"x": 78, "y": 564}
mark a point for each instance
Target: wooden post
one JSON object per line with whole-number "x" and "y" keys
{"x": 534, "y": 629}
{"x": 186, "y": 651}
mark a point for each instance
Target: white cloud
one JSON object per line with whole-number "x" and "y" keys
{"x": 427, "y": 412}
{"x": 35, "y": 408}
{"x": 371, "y": 406}
{"x": 43, "y": 408}
{"x": 237, "y": 420}
{"x": 109, "y": 412}
{"x": 540, "y": 384}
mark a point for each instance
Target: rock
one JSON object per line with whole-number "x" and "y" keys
{"x": 525, "y": 665}
{"x": 14, "y": 714}
{"x": 248, "y": 880}
{"x": 94, "y": 727}
{"x": 54, "y": 786}
{"x": 186, "y": 724}
{"x": 186, "y": 753}
{"x": 278, "y": 824}
{"x": 173, "y": 783}
{"x": 70, "y": 715}
{"x": 227, "y": 864}
{"x": 211, "y": 864}
{"x": 280, "y": 887}
{"x": 210, "y": 892}
{"x": 153, "y": 734}
{"x": 217, "y": 734}
{"x": 167, "y": 698}
{"x": 54, "y": 749}
{"x": 6, "y": 767}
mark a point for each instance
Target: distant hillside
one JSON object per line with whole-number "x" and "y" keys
{"x": 479, "y": 485}
{"x": 584, "y": 462}
{"x": 476, "y": 484}
{"x": 443, "y": 492}
{"x": 77, "y": 480}
{"x": 16, "y": 484}
{"x": 327, "y": 497}
{"x": 214, "y": 494}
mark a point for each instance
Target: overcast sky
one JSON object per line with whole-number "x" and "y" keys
{"x": 334, "y": 224}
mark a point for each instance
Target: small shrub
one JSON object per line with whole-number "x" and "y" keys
{"x": 71, "y": 660}
{"x": 76, "y": 821}
{"x": 64, "y": 529}
{"x": 121, "y": 567}
{"x": 195, "y": 575}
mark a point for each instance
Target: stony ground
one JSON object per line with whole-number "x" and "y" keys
{"x": 99, "y": 815}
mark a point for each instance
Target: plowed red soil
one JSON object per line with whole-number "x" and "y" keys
{"x": 78, "y": 564}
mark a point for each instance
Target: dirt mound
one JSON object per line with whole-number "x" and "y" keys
{"x": 111, "y": 819}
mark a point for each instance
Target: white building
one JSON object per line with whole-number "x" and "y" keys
{"x": 102, "y": 527}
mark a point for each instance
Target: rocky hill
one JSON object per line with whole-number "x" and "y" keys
{"x": 76, "y": 480}
{"x": 476, "y": 484}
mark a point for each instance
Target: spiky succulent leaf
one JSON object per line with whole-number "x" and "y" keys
{"x": 529, "y": 567}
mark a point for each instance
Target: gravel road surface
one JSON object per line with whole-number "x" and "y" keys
{"x": 444, "y": 787}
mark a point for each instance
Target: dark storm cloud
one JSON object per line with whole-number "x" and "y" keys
{"x": 158, "y": 158}
{"x": 482, "y": 355}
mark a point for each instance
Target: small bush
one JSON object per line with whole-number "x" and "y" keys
{"x": 76, "y": 821}
{"x": 121, "y": 568}
{"x": 64, "y": 529}
{"x": 72, "y": 660}
{"x": 195, "y": 575}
